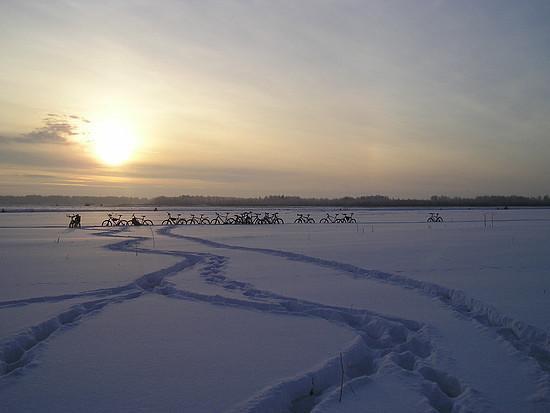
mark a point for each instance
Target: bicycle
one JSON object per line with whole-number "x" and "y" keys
{"x": 192, "y": 221}
{"x": 266, "y": 219}
{"x": 137, "y": 222}
{"x": 114, "y": 222}
{"x": 247, "y": 218}
{"x": 348, "y": 219}
{"x": 75, "y": 221}
{"x": 197, "y": 221}
{"x": 434, "y": 217}
{"x": 304, "y": 219}
{"x": 330, "y": 219}
{"x": 275, "y": 219}
{"x": 219, "y": 220}
{"x": 257, "y": 220}
{"x": 173, "y": 221}
{"x": 241, "y": 219}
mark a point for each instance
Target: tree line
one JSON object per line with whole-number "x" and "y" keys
{"x": 276, "y": 201}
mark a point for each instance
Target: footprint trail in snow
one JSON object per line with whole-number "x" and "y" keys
{"x": 431, "y": 350}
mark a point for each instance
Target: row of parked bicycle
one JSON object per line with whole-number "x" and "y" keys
{"x": 244, "y": 218}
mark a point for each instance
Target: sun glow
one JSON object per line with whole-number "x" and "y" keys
{"x": 114, "y": 141}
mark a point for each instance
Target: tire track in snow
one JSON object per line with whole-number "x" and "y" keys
{"x": 17, "y": 351}
{"x": 381, "y": 339}
{"x": 406, "y": 346}
{"x": 126, "y": 244}
{"x": 526, "y": 339}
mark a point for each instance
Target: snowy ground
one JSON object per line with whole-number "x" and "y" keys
{"x": 443, "y": 318}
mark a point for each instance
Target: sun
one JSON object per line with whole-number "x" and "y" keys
{"x": 114, "y": 141}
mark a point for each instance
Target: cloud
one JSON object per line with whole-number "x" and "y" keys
{"x": 55, "y": 129}
{"x": 225, "y": 174}
{"x": 28, "y": 156}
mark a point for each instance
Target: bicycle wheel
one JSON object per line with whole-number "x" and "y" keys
{"x": 430, "y": 219}
{"x": 353, "y": 221}
{"x": 181, "y": 221}
{"x": 107, "y": 223}
{"x": 439, "y": 219}
{"x": 166, "y": 222}
{"x": 310, "y": 221}
{"x": 148, "y": 222}
{"x": 124, "y": 223}
{"x": 205, "y": 221}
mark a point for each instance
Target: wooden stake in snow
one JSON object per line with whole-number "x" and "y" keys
{"x": 153, "y": 236}
{"x": 341, "y": 378}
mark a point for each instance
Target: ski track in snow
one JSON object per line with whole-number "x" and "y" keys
{"x": 381, "y": 340}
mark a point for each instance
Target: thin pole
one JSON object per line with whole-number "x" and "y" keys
{"x": 341, "y": 379}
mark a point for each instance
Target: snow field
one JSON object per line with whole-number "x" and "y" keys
{"x": 440, "y": 318}
{"x": 157, "y": 354}
{"x": 464, "y": 348}
{"x": 50, "y": 262}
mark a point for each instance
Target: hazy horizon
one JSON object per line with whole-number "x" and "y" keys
{"x": 317, "y": 98}
{"x": 441, "y": 198}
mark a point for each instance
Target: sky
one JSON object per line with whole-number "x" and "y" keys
{"x": 249, "y": 98}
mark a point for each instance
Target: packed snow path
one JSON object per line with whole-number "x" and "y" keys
{"x": 429, "y": 346}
